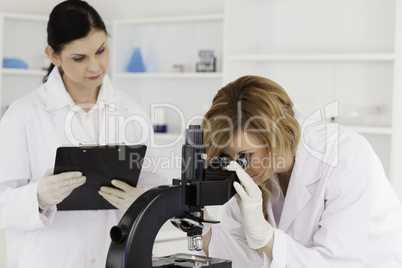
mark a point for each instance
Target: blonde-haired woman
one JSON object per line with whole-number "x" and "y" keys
{"x": 311, "y": 197}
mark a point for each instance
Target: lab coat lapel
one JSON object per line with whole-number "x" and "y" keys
{"x": 58, "y": 103}
{"x": 271, "y": 215}
{"x": 306, "y": 171}
{"x": 297, "y": 197}
{"x": 68, "y": 121}
{"x": 109, "y": 131}
{"x": 59, "y": 116}
{"x": 112, "y": 110}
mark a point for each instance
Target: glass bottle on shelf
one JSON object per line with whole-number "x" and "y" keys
{"x": 136, "y": 64}
{"x": 160, "y": 125}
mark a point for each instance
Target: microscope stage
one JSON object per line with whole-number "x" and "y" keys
{"x": 188, "y": 260}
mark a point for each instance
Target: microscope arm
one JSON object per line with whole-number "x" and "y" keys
{"x": 133, "y": 238}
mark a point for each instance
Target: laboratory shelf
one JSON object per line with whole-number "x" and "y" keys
{"x": 25, "y": 17}
{"x": 167, "y": 136}
{"x": 312, "y": 57}
{"x": 208, "y": 17}
{"x": 371, "y": 130}
{"x": 23, "y": 72}
{"x": 168, "y": 139}
{"x": 171, "y": 75}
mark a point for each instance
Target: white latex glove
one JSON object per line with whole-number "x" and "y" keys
{"x": 52, "y": 189}
{"x": 249, "y": 197}
{"x": 122, "y": 196}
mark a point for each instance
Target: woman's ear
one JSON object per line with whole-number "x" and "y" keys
{"x": 55, "y": 59}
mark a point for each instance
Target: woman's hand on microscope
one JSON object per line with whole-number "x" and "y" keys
{"x": 122, "y": 195}
{"x": 249, "y": 198}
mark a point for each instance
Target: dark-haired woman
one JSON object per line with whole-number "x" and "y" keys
{"x": 76, "y": 105}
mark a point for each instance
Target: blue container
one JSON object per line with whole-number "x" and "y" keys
{"x": 136, "y": 64}
{"x": 14, "y": 63}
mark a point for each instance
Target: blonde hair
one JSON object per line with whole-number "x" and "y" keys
{"x": 253, "y": 104}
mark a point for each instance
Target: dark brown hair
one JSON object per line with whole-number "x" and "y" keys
{"x": 71, "y": 20}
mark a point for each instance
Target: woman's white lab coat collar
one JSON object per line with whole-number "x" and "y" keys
{"x": 58, "y": 97}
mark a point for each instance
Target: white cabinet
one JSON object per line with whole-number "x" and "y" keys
{"x": 333, "y": 54}
{"x": 23, "y": 37}
{"x": 183, "y": 96}
{"x": 165, "y": 42}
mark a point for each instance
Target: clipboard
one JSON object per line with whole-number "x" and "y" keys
{"x": 100, "y": 164}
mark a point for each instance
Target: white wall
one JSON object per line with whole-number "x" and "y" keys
{"x": 122, "y": 8}
{"x": 2, "y": 249}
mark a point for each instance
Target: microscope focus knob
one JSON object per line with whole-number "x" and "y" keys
{"x": 118, "y": 233}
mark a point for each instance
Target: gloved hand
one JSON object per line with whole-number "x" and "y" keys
{"x": 52, "y": 189}
{"x": 249, "y": 198}
{"x": 122, "y": 196}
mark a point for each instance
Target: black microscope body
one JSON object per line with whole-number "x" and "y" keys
{"x": 182, "y": 203}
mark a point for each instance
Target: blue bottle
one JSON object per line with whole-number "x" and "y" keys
{"x": 136, "y": 64}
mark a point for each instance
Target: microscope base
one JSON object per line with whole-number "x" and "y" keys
{"x": 188, "y": 260}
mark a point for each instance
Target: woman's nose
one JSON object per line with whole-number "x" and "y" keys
{"x": 94, "y": 66}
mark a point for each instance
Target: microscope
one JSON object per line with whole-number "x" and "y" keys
{"x": 182, "y": 203}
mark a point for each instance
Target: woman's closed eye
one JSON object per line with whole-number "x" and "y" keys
{"x": 100, "y": 51}
{"x": 79, "y": 59}
{"x": 82, "y": 58}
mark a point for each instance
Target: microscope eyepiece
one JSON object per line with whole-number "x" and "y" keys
{"x": 223, "y": 161}
{"x": 220, "y": 163}
{"x": 243, "y": 160}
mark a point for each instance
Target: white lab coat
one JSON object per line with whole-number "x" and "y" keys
{"x": 29, "y": 137}
{"x": 339, "y": 210}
